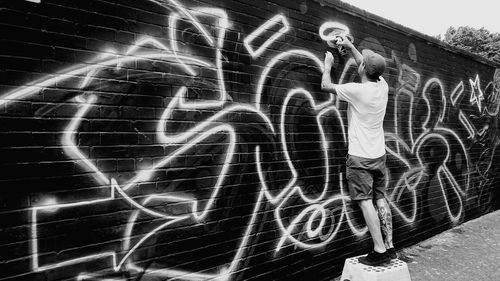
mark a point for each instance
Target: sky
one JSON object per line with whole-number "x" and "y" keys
{"x": 433, "y": 17}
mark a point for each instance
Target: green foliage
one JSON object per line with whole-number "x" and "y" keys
{"x": 477, "y": 41}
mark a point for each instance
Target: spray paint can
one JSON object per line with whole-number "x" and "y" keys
{"x": 333, "y": 33}
{"x": 338, "y": 39}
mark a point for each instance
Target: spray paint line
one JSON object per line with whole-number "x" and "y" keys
{"x": 177, "y": 101}
{"x": 457, "y": 93}
{"x": 442, "y": 109}
{"x": 315, "y": 210}
{"x": 409, "y": 87}
{"x": 471, "y": 129}
{"x": 263, "y": 28}
{"x": 223, "y": 23}
{"x": 281, "y": 58}
{"x": 225, "y": 273}
{"x": 71, "y": 148}
{"x": 324, "y": 143}
{"x": 25, "y": 92}
{"x": 172, "y": 23}
{"x": 184, "y": 11}
{"x": 145, "y": 237}
{"x": 436, "y": 132}
{"x": 34, "y": 236}
{"x": 335, "y": 28}
{"x": 94, "y": 277}
{"x": 140, "y": 43}
{"x": 146, "y": 174}
{"x": 476, "y": 95}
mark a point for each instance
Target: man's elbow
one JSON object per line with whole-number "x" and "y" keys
{"x": 328, "y": 87}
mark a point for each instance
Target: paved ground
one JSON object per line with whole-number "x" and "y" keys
{"x": 469, "y": 252}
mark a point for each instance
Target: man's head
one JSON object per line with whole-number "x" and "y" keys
{"x": 373, "y": 65}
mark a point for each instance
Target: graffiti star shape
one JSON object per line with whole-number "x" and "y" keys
{"x": 476, "y": 95}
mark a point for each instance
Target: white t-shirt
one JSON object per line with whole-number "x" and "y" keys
{"x": 365, "y": 116}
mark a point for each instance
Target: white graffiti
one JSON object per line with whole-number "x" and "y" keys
{"x": 179, "y": 101}
{"x": 187, "y": 140}
{"x": 56, "y": 207}
{"x": 457, "y": 93}
{"x": 277, "y": 19}
{"x": 72, "y": 150}
{"x": 69, "y": 144}
{"x": 329, "y": 31}
{"x": 317, "y": 207}
{"x": 432, "y": 132}
{"x": 409, "y": 82}
{"x": 476, "y": 98}
{"x": 320, "y": 216}
{"x": 292, "y": 183}
{"x": 76, "y": 72}
{"x": 494, "y": 99}
{"x": 467, "y": 124}
{"x": 476, "y": 95}
{"x": 280, "y": 58}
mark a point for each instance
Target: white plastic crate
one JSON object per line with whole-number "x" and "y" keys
{"x": 397, "y": 270}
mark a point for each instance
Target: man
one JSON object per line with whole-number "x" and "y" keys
{"x": 366, "y": 174}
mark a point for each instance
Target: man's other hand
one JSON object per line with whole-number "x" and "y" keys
{"x": 328, "y": 60}
{"x": 343, "y": 40}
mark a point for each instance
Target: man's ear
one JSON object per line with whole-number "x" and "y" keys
{"x": 361, "y": 67}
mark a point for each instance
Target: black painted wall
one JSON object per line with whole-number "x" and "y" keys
{"x": 163, "y": 139}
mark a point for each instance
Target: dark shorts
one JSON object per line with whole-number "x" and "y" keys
{"x": 366, "y": 177}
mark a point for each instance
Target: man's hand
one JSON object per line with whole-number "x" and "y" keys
{"x": 326, "y": 81}
{"x": 328, "y": 60}
{"x": 342, "y": 40}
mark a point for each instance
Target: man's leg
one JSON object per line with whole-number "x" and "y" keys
{"x": 385, "y": 215}
{"x": 373, "y": 223}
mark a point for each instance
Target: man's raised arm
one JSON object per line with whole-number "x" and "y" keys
{"x": 344, "y": 41}
{"x": 326, "y": 80}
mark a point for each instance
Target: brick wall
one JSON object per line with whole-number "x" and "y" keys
{"x": 160, "y": 139}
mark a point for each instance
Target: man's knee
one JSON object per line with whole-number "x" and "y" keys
{"x": 363, "y": 203}
{"x": 381, "y": 202}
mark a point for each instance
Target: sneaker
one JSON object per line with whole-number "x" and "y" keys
{"x": 375, "y": 259}
{"x": 392, "y": 253}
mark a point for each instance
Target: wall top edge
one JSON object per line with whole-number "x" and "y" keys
{"x": 358, "y": 12}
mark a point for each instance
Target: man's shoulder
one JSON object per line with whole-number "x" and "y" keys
{"x": 350, "y": 87}
{"x": 382, "y": 80}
